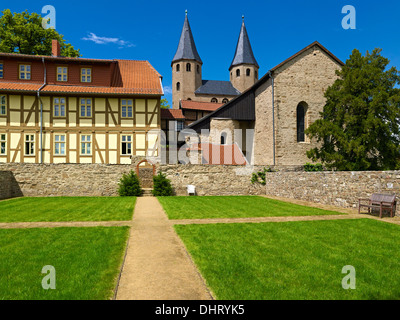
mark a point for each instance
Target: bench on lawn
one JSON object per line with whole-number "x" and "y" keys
{"x": 383, "y": 202}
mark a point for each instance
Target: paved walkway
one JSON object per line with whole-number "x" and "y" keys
{"x": 157, "y": 265}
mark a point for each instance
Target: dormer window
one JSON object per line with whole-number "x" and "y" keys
{"x": 25, "y": 72}
{"x": 62, "y": 73}
{"x": 1, "y": 70}
{"x": 86, "y": 74}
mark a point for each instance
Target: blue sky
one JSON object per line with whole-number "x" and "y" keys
{"x": 150, "y": 30}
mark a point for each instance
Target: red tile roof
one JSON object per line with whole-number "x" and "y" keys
{"x": 172, "y": 114}
{"x": 204, "y": 106}
{"x": 221, "y": 154}
{"x": 129, "y": 77}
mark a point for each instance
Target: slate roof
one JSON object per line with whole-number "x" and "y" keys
{"x": 244, "y": 53}
{"x": 216, "y": 87}
{"x": 186, "y": 47}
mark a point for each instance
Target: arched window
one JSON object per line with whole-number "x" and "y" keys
{"x": 301, "y": 121}
{"x": 248, "y": 72}
{"x": 237, "y": 73}
{"x": 188, "y": 67}
{"x": 178, "y": 86}
{"x": 198, "y": 69}
{"x": 188, "y": 99}
{"x": 225, "y": 100}
{"x": 256, "y": 74}
{"x": 223, "y": 138}
{"x": 214, "y": 100}
{"x": 178, "y": 67}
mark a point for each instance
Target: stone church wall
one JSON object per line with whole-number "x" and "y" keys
{"x": 303, "y": 79}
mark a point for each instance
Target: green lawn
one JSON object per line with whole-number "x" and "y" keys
{"x": 296, "y": 260}
{"x": 67, "y": 209}
{"x": 233, "y": 207}
{"x": 87, "y": 262}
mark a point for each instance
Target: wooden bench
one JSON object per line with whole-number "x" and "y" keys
{"x": 383, "y": 202}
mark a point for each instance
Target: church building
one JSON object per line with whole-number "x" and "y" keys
{"x": 266, "y": 118}
{"x": 198, "y": 97}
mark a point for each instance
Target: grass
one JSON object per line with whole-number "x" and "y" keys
{"x": 67, "y": 209}
{"x": 233, "y": 207}
{"x": 296, "y": 260}
{"x": 86, "y": 260}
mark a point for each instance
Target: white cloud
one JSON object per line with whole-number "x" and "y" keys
{"x": 168, "y": 89}
{"x": 105, "y": 40}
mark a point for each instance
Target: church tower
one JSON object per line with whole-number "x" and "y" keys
{"x": 186, "y": 67}
{"x": 244, "y": 67}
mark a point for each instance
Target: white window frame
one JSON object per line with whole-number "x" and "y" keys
{"x": 30, "y": 143}
{"x": 126, "y": 141}
{"x": 59, "y": 144}
{"x": 3, "y": 144}
{"x": 86, "y": 145}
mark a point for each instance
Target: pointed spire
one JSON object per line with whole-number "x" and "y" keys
{"x": 186, "y": 48}
{"x": 244, "y": 53}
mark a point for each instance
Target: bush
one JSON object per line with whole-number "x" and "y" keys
{"x": 309, "y": 167}
{"x": 162, "y": 186}
{"x": 260, "y": 176}
{"x": 129, "y": 185}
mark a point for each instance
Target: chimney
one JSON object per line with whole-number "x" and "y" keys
{"x": 55, "y": 48}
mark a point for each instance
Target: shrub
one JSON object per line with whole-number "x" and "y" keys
{"x": 129, "y": 185}
{"x": 161, "y": 186}
{"x": 260, "y": 176}
{"x": 313, "y": 167}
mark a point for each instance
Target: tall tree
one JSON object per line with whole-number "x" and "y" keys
{"x": 23, "y": 33}
{"x": 359, "y": 125}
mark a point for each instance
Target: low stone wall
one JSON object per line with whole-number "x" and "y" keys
{"x": 66, "y": 179}
{"x": 211, "y": 180}
{"x": 342, "y": 189}
{"x": 102, "y": 180}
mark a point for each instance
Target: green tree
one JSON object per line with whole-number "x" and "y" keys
{"x": 164, "y": 104}
{"x": 129, "y": 185}
{"x": 23, "y": 33}
{"x": 359, "y": 125}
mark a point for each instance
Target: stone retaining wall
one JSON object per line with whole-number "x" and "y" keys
{"x": 340, "y": 189}
{"x": 211, "y": 180}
